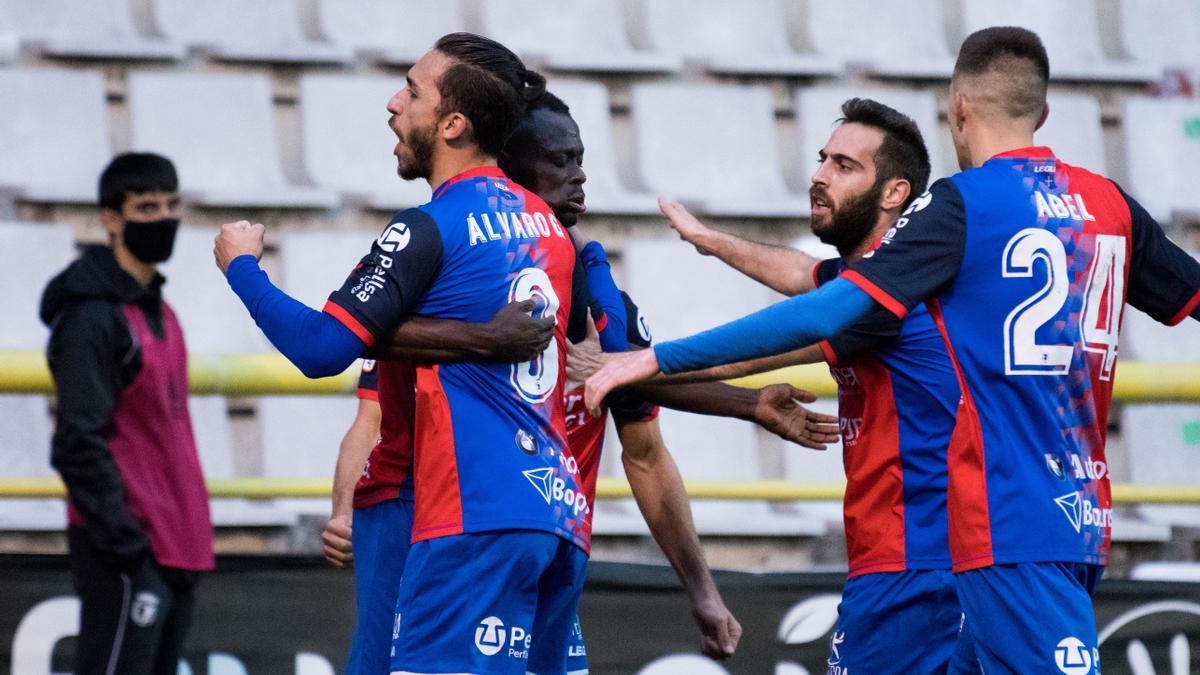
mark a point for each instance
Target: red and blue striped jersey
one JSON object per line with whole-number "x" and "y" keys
{"x": 387, "y": 473}
{"x": 897, "y": 398}
{"x": 489, "y": 442}
{"x": 1025, "y": 264}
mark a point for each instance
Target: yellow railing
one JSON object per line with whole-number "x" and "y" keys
{"x": 25, "y": 372}
{"x": 606, "y": 488}
{"x": 257, "y": 374}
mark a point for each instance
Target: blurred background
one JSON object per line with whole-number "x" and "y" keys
{"x": 273, "y": 111}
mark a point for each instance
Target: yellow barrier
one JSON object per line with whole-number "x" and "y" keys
{"x": 606, "y": 488}
{"x": 226, "y": 374}
{"x": 255, "y": 374}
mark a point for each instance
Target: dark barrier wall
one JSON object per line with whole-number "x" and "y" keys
{"x": 288, "y": 616}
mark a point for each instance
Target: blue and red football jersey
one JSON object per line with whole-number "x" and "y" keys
{"x": 897, "y": 398}
{"x": 387, "y": 473}
{"x": 489, "y": 450}
{"x": 1027, "y": 264}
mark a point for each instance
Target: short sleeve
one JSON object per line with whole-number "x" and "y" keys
{"x": 919, "y": 256}
{"x": 878, "y": 326}
{"x": 625, "y": 405}
{"x": 826, "y": 271}
{"x": 1164, "y": 281}
{"x": 368, "y": 381}
{"x": 637, "y": 328}
{"x": 389, "y": 282}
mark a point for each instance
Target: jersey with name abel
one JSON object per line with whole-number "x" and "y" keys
{"x": 1027, "y": 264}
{"x": 490, "y": 449}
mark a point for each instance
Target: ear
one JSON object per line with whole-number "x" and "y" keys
{"x": 455, "y": 127}
{"x": 112, "y": 222}
{"x": 895, "y": 193}
{"x": 958, "y": 109}
{"x": 1045, "y": 114}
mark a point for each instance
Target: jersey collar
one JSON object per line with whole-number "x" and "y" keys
{"x": 489, "y": 171}
{"x": 1032, "y": 152}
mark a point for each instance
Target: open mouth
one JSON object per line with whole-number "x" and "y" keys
{"x": 576, "y": 203}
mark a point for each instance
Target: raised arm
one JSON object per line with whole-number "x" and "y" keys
{"x": 782, "y": 268}
{"x": 660, "y": 495}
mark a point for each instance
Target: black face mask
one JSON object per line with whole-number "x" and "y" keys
{"x": 151, "y": 241}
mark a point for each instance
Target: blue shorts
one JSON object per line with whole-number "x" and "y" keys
{"x": 896, "y": 622}
{"x": 495, "y": 602}
{"x": 1028, "y": 618}
{"x": 380, "y": 535}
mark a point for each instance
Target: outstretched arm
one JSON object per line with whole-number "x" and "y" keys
{"x": 660, "y": 495}
{"x": 784, "y": 326}
{"x": 782, "y": 268}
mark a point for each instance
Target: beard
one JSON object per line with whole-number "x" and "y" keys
{"x": 852, "y": 221}
{"x": 420, "y": 144}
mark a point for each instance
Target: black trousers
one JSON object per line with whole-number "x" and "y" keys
{"x": 131, "y": 622}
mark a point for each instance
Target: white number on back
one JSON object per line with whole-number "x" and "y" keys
{"x": 535, "y": 380}
{"x": 1101, "y": 316}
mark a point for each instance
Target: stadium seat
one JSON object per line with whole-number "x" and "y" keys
{"x": 212, "y": 317}
{"x": 300, "y": 439}
{"x": 1073, "y": 131}
{"x": 45, "y": 249}
{"x": 823, "y": 467}
{"x": 99, "y": 29}
{"x": 1162, "y": 442}
{"x": 747, "y": 38}
{"x": 389, "y": 31}
{"x": 606, "y": 192}
{"x": 714, "y": 146}
{"x": 817, "y": 109}
{"x": 1069, "y": 29}
{"x": 232, "y": 30}
{"x": 1144, "y": 339}
{"x": 888, "y": 38}
{"x": 347, "y": 143}
{"x": 1162, "y": 153}
{"x": 1164, "y": 34}
{"x": 585, "y": 35}
{"x": 222, "y": 141}
{"x": 25, "y": 430}
{"x": 53, "y": 134}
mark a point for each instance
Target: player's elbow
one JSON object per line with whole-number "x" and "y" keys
{"x": 316, "y": 366}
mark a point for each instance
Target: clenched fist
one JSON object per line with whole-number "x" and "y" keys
{"x": 235, "y": 239}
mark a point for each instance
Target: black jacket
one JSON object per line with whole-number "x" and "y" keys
{"x": 93, "y": 356}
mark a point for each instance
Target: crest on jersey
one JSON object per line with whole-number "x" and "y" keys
{"x": 526, "y": 442}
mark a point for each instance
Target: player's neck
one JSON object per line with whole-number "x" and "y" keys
{"x": 453, "y": 162}
{"x": 886, "y": 220}
{"x": 991, "y": 142}
{"x": 142, "y": 272}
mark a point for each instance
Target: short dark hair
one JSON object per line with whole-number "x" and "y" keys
{"x": 488, "y": 84}
{"x": 902, "y": 153}
{"x": 134, "y": 173}
{"x": 1018, "y": 55}
{"x": 512, "y": 158}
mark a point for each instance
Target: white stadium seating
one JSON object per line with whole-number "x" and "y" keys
{"x": 584, "y": 35}
{"x": 1161, "y": 442}
{"x": 730, "y": 37}
{"x": 1144, "y": 339}
{"x": 213, "y": 319}
{"x": 53, "y": 134}
{"x": 606, "y": 192}
{"x": 889, "y": 38}
{"x": 817, "y": 109}
{"x": 348, "y": 144}
{"x": 99, "y": 29}
{"x": 219, "y": 129}
{"x": 1162, "y": 154}
{"x": 389, "y": 31}
{"x": 715, "y": 146}
{"x": 1069, "y": 29}
{"x": 1073, "y": 131}
{"x": 232, "y": 30}
{"x": 1164, "y": 34}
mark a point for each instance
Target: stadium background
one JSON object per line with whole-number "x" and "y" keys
{"x": 273, "y": 110}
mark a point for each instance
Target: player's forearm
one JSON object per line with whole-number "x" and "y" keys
{"x": 785, "y": 326}
{"x": 352, "y": 455}
{"x": 783, "y": 269}
{"x": 436, "y": 341}
{"x": 658, "y": 489}
{"x": 702, "y": 398}
{"x": 810, "y": 354}
{"x": 315, "y": 342}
